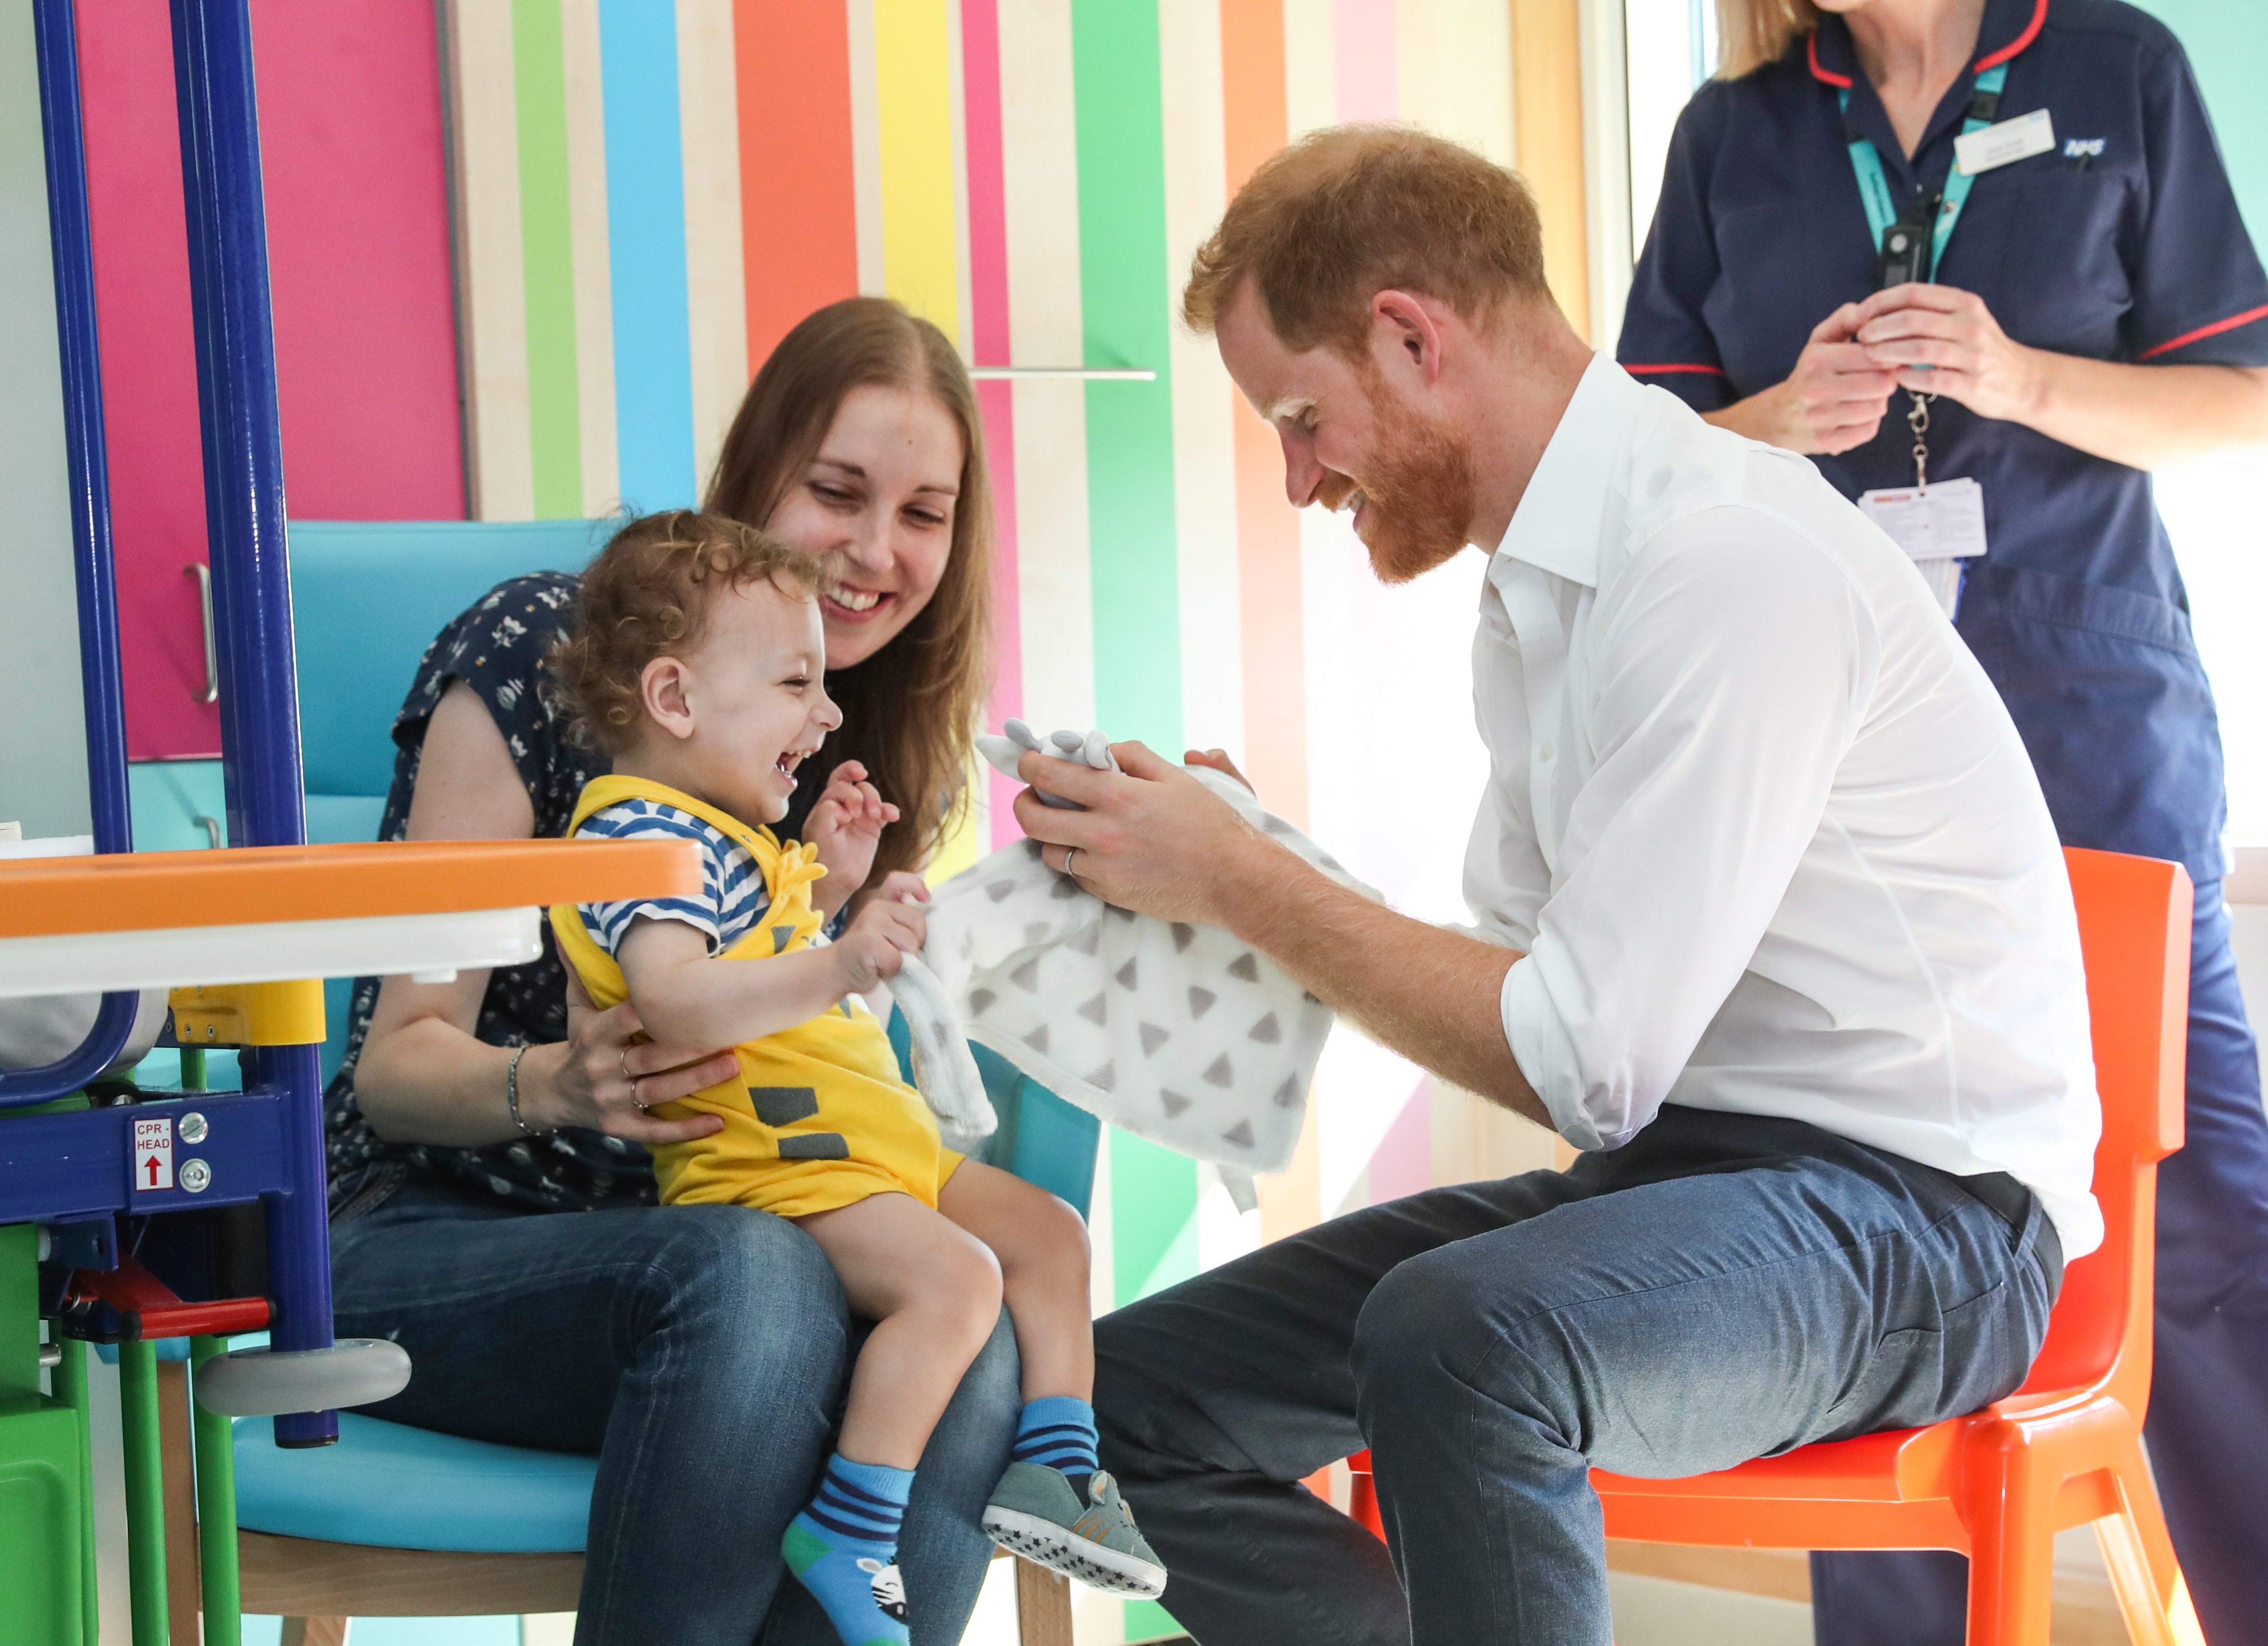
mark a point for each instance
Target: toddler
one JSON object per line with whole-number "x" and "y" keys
{"x": 697, "y": 663}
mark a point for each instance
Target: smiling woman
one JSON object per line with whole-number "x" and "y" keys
{"x": 860, "y": 442}
{"x": 465, "y": 1107}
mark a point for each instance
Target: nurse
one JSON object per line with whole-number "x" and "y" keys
{"x": 1990, "y": 244}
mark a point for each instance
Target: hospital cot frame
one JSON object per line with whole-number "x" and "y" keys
{"x": 65, "y": 1170}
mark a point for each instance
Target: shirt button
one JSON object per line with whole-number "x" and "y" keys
{"x": 1543, "y": 752}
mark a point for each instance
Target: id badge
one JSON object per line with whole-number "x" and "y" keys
{"x": 1938, "y": 526}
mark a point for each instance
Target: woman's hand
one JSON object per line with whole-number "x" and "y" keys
{"x": 1833, "y": 401}
{"x": 1943, "y": 341}
{"x": 845, "y": 828}
{"x": 604, "y": 1076}
{"x": 1152, "y": 838}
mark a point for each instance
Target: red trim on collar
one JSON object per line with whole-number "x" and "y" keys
{"x": 2031, "y": 33}
{"x": 1705, "y": 371}
{"x": 2214, "y": 330}
{"x": 1844, "y": 80}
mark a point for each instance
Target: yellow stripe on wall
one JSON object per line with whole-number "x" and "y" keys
{"x": 913, "y": 96}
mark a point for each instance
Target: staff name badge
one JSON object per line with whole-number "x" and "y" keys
{"x": 1938, "y": 526}
{"x": 153, "y": 1155}
{"x": 2004, "y": 143}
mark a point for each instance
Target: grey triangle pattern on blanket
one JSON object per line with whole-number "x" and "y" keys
{"x": 782, "y": 936}
{"x": 1178, "y": 1032}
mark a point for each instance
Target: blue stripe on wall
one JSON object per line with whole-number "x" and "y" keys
{"x": 646, "y": 243}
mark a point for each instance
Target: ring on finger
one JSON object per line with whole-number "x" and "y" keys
{"x": 1068, "y": 855}
{"x": 627, "y": 1076}
{"x": 633, "y": 1097}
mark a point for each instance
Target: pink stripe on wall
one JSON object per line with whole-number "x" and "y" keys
{"x": 365, "y": 326}
{"x": 150, "y": 371}
{"x": 1363, "y": 44}
{"x": 988, "y": 345}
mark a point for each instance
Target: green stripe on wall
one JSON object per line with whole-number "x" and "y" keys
{"x": 1153, "y": 1223}
{"x": 547, "y": 256}
{"x": 1130, "y": 426}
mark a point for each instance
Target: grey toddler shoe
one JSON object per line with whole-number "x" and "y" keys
{"x": 1034, "y": 1513}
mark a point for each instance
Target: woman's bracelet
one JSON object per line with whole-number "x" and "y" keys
{"x": 511, "y": 1092}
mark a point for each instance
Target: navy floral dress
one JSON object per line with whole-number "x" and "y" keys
{"x": 497, "y": 648}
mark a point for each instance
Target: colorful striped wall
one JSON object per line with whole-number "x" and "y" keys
{"x": 649, "y": 195}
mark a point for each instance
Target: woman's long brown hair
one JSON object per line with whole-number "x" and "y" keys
{"x": 910, "y": 710}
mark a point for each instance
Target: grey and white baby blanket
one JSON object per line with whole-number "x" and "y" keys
{"x": 1179, "y": 1034}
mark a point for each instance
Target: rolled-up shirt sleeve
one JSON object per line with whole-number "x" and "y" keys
{"x": 1734, "y": 661}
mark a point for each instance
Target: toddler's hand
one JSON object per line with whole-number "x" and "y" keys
{"x": 878, "y": 941}
{"x": 844, "y": 827}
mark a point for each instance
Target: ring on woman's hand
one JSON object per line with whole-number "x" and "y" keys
{"x": 627, "y": 1076}
{"x": 633, "y": 1097}
{"x": 1068, "y": 855}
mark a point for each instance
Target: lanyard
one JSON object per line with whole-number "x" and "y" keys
{"x": 1882, "y": 217}
{"x": 1875, "y": 187}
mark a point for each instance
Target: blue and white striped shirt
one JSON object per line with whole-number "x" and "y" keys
{"x": 732, "y": 897}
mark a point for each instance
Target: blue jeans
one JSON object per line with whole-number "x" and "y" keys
{"x": 701, "y": 1352}
{"x": 1725, "y": 1287}
{"x": 2207, "y": 1426}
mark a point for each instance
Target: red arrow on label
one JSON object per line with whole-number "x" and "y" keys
{"x": 152, "y": 1162}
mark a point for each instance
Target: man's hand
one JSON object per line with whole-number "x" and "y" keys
{"x": 1833, "y": 401}
{"x": 1217, "y": 760}
{"x": 1152, "y": 838}
{"x": 1907, "y": 327}
{"x": 844, "y": 827}
{"x": 876, "y": 942}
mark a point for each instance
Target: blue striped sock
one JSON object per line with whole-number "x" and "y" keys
{"x": 843, "y": 1548}
{"x": 1058, "y": 1430}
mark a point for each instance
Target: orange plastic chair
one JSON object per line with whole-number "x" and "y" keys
{"x": 2064, "y": 1450}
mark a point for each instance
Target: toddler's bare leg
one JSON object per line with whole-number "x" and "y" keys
{"x": 933, "y": 1292}
{"x": 1041, "y": 1246}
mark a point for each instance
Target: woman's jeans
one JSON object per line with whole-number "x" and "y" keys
{"x": 701, "y": 1352}
{"x": 1724, "y": 1287}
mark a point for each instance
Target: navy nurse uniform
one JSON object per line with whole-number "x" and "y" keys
{"x": 2122, "y": 243}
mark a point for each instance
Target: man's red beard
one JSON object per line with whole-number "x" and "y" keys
{"x": 1418, "y": 495}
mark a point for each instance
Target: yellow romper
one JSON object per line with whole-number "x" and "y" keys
{"x": 819, "y": 1116}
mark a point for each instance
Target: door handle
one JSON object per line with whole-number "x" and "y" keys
{"x": 202, "y": 573}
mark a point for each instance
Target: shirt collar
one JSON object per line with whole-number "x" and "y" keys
{"x": 1558, "y": 526}
{"x": 2009, "y": 26}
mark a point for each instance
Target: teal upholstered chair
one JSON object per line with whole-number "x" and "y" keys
{"x": 395, "y": 1521}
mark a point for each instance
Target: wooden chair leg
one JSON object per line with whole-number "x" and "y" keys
{"x": 314, "y": 1631}
{"x": 184, "y": 1596}
{"x": 1042, "y": 1606}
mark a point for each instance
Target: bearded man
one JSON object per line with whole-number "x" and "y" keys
{"x": 1770, "y": 919}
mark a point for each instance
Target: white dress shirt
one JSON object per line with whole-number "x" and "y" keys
{"x": 1759, "y": 822}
